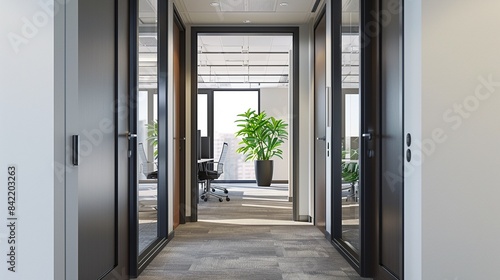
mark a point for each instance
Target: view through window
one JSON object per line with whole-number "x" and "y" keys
{"x": 227, "y": 105}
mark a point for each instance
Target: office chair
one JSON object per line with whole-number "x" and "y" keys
{"x": 208, "y": 173}
{"x": 148, "y": 168}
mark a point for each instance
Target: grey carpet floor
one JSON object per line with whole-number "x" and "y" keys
{"x": 250, "y": 237}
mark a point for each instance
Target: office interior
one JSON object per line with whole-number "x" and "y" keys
{"x": 384, "y": 100}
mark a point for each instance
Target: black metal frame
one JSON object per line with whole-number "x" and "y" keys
{"x": 137, "y": 262}
{"x": 195, "y": 31}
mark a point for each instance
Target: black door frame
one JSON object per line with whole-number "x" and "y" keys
{"x": 195, "y": 31}
{"x": 138, "y": 262}
{"x": 370, "y": 117}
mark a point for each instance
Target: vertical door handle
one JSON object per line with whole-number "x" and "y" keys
{"x": 75, "y": 143}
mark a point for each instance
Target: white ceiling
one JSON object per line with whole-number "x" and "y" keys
{"x": 242, "y": 61}
{"x": 235, "y": 12}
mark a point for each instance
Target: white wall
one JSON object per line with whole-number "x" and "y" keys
{"x": 413, "y": 116}
{"x": 27, "y": 124}
{"x": 460, "y": 96}
{"x": 274, "y": 101}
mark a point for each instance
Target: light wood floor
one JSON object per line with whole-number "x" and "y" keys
{"x": 250, "y": 237}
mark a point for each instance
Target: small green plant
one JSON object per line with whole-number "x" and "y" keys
{"x": 261, "y": 136}
{"x": 350, "y": 172}
{"x": 350, "y": 169}
{"x": 153, "y": 136}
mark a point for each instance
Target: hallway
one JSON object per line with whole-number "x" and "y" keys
{"x": 250, "y": 237}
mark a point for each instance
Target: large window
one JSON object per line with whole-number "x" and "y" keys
{"x": 227, "y": 105}
{"x": 217, "y": 112}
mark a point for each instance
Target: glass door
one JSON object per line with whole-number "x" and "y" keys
{"x": 356, "y": 108}
{"x": 351, "y": 124}
{"x": 147, "y": 125}
{"x": 147, "y": 131}
{"x": 348, "y": 99}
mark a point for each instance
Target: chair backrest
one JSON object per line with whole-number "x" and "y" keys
{"x": 222, "y": 158}
{"x": 142, "y": 154}
{"x": 147, "y": 166}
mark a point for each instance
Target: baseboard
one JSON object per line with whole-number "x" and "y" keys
{"x": 305, "y": 218}
{"x": 328, "y": 236}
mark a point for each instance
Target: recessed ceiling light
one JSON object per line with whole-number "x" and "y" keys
{"x": 283, "y": 4}
{"x": 214, "y": 4}
{"x": 247, "y": 21}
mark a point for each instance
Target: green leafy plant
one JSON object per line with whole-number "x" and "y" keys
{"x": 153, "y": 136}
{"x": 350, "y": 169}
{"x": 350, "y": 172}
{"x": 261, "y": 136}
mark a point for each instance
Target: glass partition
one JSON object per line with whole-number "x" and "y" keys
{"x": 147, "y": 125}
{"x": 350, "y": 38}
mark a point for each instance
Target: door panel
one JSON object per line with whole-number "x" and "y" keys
{"x": 96, "y": 184}
{"x": 390, "y": 264}
{"x": 320, "y": 124}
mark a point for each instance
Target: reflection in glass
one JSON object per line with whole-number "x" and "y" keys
{"x": 351, "y": 123}
{"x": 147, "y": 125}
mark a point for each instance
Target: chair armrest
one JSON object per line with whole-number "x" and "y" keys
{"x": 211, "y": 165}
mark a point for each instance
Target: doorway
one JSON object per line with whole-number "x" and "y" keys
{"x": 246, "y": 79}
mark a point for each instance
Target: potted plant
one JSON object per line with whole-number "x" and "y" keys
{"x": 261, "y": 138}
